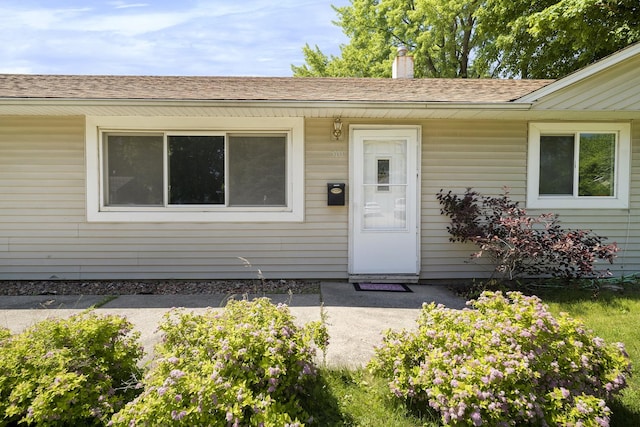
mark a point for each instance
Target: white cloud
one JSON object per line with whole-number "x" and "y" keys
{"x": 128, "y": 25}
{"x": 253, "y": 37}
{"x": 125, "y": 5}
{"x": 37, "y": 19}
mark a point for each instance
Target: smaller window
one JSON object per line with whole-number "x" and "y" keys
{"x": 575, "y": 165}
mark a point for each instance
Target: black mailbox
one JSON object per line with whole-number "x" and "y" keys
{"x": 335, "y": 194}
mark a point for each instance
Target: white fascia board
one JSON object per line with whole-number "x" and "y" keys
{"x": 582, "y": 74}
{"x": 373, "y": 105}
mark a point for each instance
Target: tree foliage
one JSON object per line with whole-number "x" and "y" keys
{"x": 476, "y": 38}
{"x": 550, "y": 38}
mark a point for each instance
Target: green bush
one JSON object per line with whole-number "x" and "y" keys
{"x": 75, "y": 371}
{"x": 508, "y": 362}
{"x": 246, "y": 365}
{"x": 4, "y": 334}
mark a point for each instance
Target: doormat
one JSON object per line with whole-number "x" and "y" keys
{"x": 382, "y": 287}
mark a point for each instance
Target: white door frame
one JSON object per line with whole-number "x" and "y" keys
{"x": 354, "y": 207}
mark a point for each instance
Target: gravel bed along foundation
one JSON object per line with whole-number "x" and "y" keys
{"x": 155, "y": 287}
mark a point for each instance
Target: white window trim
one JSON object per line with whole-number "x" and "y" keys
{"x": 97, "y": 212}
{"x": 620, "y": 200}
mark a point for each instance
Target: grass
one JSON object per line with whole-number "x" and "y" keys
{"x": 357, "y": 398}
{"x": 615, "y": 317}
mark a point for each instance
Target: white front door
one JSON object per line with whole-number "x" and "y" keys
{"x": 384, "y": 202}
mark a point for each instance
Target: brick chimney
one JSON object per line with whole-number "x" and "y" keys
{"x": 402, "y": 65}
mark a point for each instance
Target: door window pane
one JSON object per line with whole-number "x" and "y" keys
{"x": 133, "y": 170}
{"x": 257, "y": 170}
{"x": 383, "y": 174}
{"x": 597, "y": 164}
{"x": 385, "y": 210}
{"x": 385, "y": 162}
{"x": 196, "y": 170}
{"x": 556, "y": 164}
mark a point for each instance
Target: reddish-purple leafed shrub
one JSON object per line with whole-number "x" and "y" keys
{"x": 522, "y": 245}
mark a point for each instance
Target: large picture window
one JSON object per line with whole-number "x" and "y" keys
{"x": 185, "y": 175}
{"x": 578, "y": 165}
{"x": 198, "y": 169}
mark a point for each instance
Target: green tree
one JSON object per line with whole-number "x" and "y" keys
{"x": 476, "y": 38}
{"x": 551, "y": 38}
{"x": 439, "y": 33}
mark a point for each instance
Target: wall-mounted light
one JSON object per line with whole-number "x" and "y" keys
{"x": 337, "y": 129}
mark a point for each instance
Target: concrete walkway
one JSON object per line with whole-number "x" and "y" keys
{"x": 356, "y": 319}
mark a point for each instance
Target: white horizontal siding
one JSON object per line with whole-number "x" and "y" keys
{"x": 41, "y": 191}
{"x": 44, "y": 233}
{"x": 484, "y": 155}
{"x": 457, "y": 155}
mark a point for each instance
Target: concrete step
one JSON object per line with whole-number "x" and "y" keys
{"x": 383, "y": 278}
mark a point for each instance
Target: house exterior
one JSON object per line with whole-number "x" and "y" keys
{"x": 141, "y": 177}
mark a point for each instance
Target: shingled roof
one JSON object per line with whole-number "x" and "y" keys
{"x": 84, "y": 87}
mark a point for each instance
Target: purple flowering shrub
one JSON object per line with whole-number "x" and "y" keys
{"x": 75, "y": 371}
{"x": 505, "y": 362}
{"x": 522, "y": 245}
{"x": 247, "y": 365}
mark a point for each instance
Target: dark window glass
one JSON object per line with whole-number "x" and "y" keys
{"x": 196, "y": 170}
{"x": 556, "y": 164}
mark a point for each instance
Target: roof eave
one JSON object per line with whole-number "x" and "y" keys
{"x": 446, "y": 105}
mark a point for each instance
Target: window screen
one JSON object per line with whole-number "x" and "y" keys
{"x": 257, "y": 170}
{"x": 133, "y": 171}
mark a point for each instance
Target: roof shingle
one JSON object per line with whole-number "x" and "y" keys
{"x": 85, "y": 87}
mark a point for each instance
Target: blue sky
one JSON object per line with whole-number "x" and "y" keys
{"x": 164, "y": 37}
